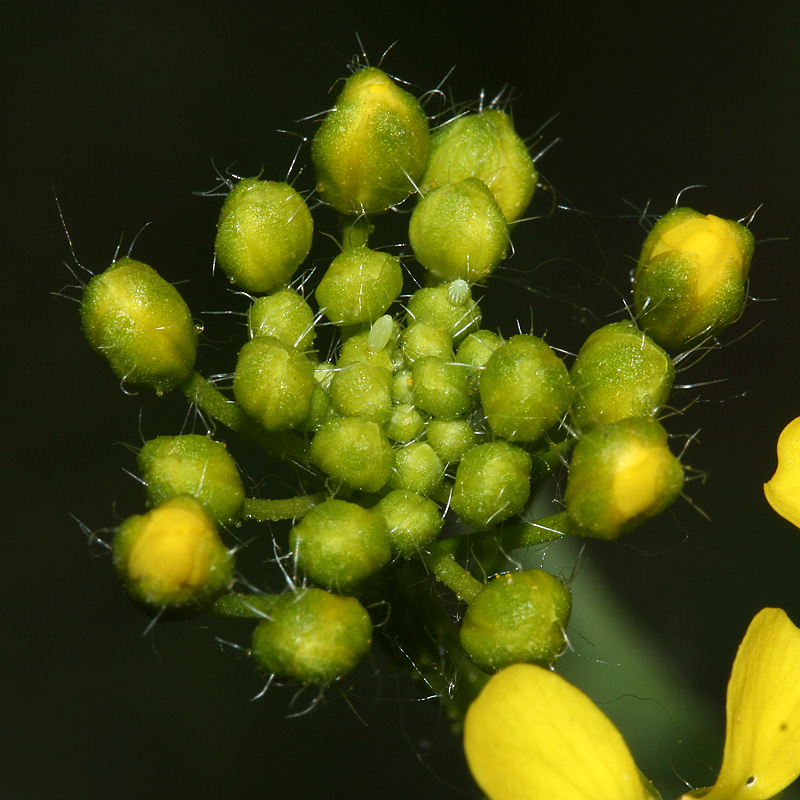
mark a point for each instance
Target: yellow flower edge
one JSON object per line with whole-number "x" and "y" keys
{"x": 783, "y": 489}
{"x": 762, "y": 740}
{"x": 531, "y": 735}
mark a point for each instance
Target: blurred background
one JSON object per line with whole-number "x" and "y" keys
{"x": 121, "y": 111}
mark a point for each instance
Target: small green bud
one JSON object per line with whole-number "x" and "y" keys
{"x": 405, "y": 425}
{"x": 459, "y": 231}
{"x": 517, "y": 617}
{"x": 620, "y": 475}
{"x": 171, "y": 558}
{"x": 339, "y": 544}
{"x": 413, "y": 521}
{"x": 478, "y": 347}
{"x": 353, "y": 451}
{"x": 284, "y": 315}
{"x": 620, "y": 372}
{"x": 357, "y": 350}
{"x": 492, "y": 484}
{"x": 360, "y": 390}
{"x": 423, "y": 339}
{"x": 417, "y": 468}
{"x": 690, "y": 280}
{"x": 312, "y": 637}
{"x": 403, "y": 387}
{"x": 359, "y": 285}
{"x": 140, "y": 324}
{"x": 484, "y": 146}
{"x": 371, "y": 149}
{"x": 263, "y": 235}
{"x": 441, "y": 388}
{"x": 525, "y": 389}
{"x": 451, "y": 439}
{"x": 433, "y": 305}
{"x": 274, "y": 383}
{"x": 193, "y": 465}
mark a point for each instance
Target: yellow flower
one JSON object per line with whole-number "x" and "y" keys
{"x": 531, "y": 735}
{"x": 783, "y": 489}
{"x": 762, "y": 741}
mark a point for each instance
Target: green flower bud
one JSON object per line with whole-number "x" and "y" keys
{"x": 423, "y": 339}
{"x": 319, "y": 411}
{"x": 620, "y": 372}
{"x": 354, "y": 452}
{"x": 263, "y": 235}
{"x": 193, "y": 465}
{"x": 140, "y": 324}
{"x": 284, "y": 315}
{"x": 484, "y": 146}
{"x": 690, "y": 280}
{"x": 441, "y": 388}
{"x": 434, "y": 305}
{"x": 492, "y": 484}
{"x": 339, "y": 544}
{"x": 171, "y": 558}
{"x": 371, "y": 149}
{"x": 360, "y": 390}
{"x": 405, "y": 425}
{"x": 274, "y": 383}
{"x": 417, "y": 468}
{"x": 312, "y": 637}
{"x": 517, "y": 617}
{"x": 359, "y": 285}
{"x": 403, "y": 387}
{"x": 459, "y": 231}
{"x": 413, "y": 521}
{"x": 525, "y": 389}
{"x": 478, "y": 347}
{"x": 451, "y": 439}
{"x": 620, "y": 475}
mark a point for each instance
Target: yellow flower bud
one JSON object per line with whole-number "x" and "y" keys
{"x": 783, "y": 489}
{"x": 531, "y": 735}
{"x": 690, "y": 281}
{"x": 172, "y": 557}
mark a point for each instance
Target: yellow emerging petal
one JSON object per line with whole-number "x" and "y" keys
{"x": 783, "y": 489}
{"x": 762, "y": 740}
{"x": 530, "y": 735}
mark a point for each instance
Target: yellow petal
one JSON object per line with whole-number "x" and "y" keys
{"x": 783, "y": 489}
{"x": 762, "y": 741}
{"x": 530, "y": 735}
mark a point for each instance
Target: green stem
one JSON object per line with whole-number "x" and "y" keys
{"x": 284, "y": 444}
{"x": 244, "y": 606}
{"x": 355, "y": 231}
{"x": 529, "y": 534}
{"x": 274, "y": 510}
{"x": 447, "y": 570}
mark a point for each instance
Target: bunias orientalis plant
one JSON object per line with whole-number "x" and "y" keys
{"x": 422, "y": 437}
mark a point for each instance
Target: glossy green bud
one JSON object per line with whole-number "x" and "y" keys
{"x": 459, "y": 232}
{"x": 360, "y": 390}
{"x": 620, "y": 475}
{"x": 485, "y": 146}
{"x": 140, "y": 324}
{"x": 517, "y": 617}
{"x": 193, "y": 465}
{"x": 339, "y": 544}
{"x": 690, "y": 280}
{"x": 264, "y": 234}
{"x": 620, "y": 372}
{"x": 171, "y": 558}
{"x": 525, "y": 389}
{"x": 478, "y": 347}
{"x": 371, "y": 149}
{"x": 359, "y": 285}
{"x": 354, "y": 452}
{"x": 423, "y": 339}
{"x": 451, "y": 439}
{"x": 284, "y": 315}
{"x": 403, "y": 387}
{"x": 312, "y": 637}
{"x": 274, "y": 383}
{"x": 441, "y": 388}
{"x": 413, "y": 521}
{"x": 356, "y": 350}
{"x": 434, "y": 305}
{"x": 417, "y": 468}
{"x": 405, "y": 425}
{"x": 492, "y": 484}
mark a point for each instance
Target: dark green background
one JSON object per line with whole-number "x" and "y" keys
{"x": 119, "y": 109}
